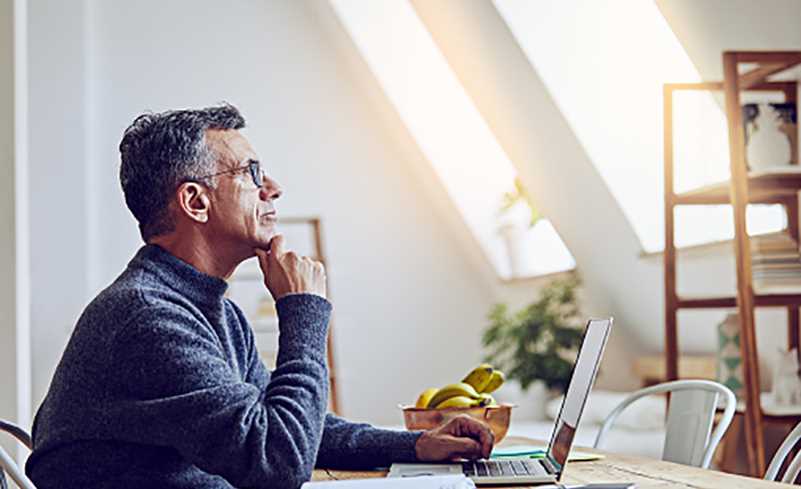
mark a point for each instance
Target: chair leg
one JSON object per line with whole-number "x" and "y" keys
{"x": 728, "y": 458}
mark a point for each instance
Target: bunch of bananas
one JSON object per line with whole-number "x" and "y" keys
{"x": 474, "y": 390}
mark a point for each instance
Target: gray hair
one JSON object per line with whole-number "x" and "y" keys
{"x": 161, "y": 151}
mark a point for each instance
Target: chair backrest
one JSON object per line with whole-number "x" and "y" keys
{"x": 7, "y": 462}
{"x": 689, "y": 438}
{"x": 778, "y": 459}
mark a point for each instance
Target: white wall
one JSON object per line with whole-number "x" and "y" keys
{"x": 409, "y": 300}
{"x": 58, "y": 184}
{"x": 707, "y": 28}
{"x": 15, "y": 346}
{"x": 8, "y": 377}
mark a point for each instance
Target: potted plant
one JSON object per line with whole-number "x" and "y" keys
{"x": 537, "y": 345}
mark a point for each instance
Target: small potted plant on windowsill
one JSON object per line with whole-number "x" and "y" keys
{"x": 536, "y": 346}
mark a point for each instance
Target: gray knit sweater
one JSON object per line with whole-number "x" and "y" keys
{"x": 161, "y": 386}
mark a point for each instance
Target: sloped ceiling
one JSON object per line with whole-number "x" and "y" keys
{"x": 550, "y": 160}
{"x": 706, "y": 28}
{"x": 553, "y": 164}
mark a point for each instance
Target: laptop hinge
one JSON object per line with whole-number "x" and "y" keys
{"x": 550, "y": 467}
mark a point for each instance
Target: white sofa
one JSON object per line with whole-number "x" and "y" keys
{"x": 638, "y": 431}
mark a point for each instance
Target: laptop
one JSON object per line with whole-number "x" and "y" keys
{"x": 549, "y": 468}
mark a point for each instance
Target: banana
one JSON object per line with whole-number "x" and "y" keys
{"x": 458, "y": 401}
{"x": 479, "y": 377}
{"x": 487, "y": 400}
{"x": 453, "y": 390}
{"x": 496, "y": 380}
{"x": 425, "y": 397}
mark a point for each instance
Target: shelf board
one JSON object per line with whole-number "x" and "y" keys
{"x": 767, "y": 64}
{"x": 771, "y": 409}
{"x": 786, "y": 86}
{"x": 760, "y": 300}
{"x": 765, "y": 187}
{"x": 764, "y": 57}
{"x": 761, "y": 73}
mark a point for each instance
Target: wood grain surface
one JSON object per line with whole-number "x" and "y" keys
{"x": 646, "y": 473}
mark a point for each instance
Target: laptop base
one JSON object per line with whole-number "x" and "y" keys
{"x": 511, "y": 473}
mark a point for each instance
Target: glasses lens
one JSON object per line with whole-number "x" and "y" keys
{"x": 255, "y": 173}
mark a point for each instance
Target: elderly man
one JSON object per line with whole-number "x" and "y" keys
{"x": 161, "y": 383}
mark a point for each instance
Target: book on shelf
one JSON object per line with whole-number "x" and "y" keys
{"x": 775, "y": 264}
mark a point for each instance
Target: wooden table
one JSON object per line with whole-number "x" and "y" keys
{"x": 645, "y": 472}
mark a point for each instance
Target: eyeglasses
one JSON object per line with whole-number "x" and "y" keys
{"x": 253, "y": 166}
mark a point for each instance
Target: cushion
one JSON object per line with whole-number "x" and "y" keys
{"x": 647, "y": 413}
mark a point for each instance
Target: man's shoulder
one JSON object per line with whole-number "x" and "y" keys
{"x": 129, "y": 296}
{"x": 237, "y": 311}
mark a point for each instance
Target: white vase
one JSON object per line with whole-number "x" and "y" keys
{"x": 530, "y": 403}
{"x": 515, "y": 231}
{"x": 514, "y": 237}
{"x": 768, "y": 147}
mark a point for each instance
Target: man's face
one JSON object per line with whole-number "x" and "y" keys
{"x": 242, "y": 215}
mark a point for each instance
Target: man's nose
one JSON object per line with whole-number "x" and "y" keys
{"x": 270, "y": 189}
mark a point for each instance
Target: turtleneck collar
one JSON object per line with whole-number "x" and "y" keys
{"x": 180, "y": 275}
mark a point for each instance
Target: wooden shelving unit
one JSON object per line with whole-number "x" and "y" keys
{"x": 742, "y": 189}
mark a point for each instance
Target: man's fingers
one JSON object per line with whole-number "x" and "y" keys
{"x": 262, "y": 256}
{"x": 458, "y": 438}
{"x": 485, "y": 439}
{"x": 477, "y": 430}
{"x": 464, "y": 448}
{"x": 277, "y": 246}
{"x": 485, "y": 436}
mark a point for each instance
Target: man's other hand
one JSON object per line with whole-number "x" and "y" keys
{"x": 287, "y": 273}
{"x": 461, "y": 437}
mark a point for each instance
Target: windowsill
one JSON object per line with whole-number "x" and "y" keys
{"x": 537, "y": 279}
{"x": 711, "y": 246}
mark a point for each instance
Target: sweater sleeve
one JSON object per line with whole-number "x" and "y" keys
{"x": 180, "y": 391}
{"x": 347, "y": 445}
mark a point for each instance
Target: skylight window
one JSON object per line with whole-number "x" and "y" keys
{"x": 604, "y": 63}
{"x": 452, "y": 135}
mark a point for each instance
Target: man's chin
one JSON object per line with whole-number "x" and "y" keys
{"x": 263, "y": 240}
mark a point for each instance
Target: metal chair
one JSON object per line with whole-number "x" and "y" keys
{"x": 781, "y": 454}
{"x": 7, "y": 463}
{"x": 689, "y": 438}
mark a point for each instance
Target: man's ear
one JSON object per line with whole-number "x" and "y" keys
{"x": 194, "y": 201}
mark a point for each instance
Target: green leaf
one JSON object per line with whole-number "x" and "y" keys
{"x": 539, "y": 341}
{"x": 520, "y": 194}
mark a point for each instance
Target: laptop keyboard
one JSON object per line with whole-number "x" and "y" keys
{"x": 503, "y": 468}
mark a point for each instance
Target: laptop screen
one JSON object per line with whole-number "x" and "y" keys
{"x": 587, "y": 361}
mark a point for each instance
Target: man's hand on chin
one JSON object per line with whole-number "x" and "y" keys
{"x": 285, "y": 272}
{"x": 461, "y": 437}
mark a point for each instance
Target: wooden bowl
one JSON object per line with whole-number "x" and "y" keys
{"x": 497, "y": 417}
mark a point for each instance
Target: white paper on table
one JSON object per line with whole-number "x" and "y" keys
{"x": 426, "y": 482}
